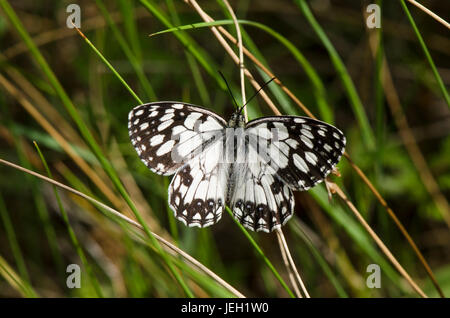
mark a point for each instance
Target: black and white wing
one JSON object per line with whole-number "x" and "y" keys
{"x": 197, "y": 191}
{"x": 168, "y": 134}
{"x": 302, "y": 151}
{"x": 259, "y": 199}
{"x": 282, "y": 154}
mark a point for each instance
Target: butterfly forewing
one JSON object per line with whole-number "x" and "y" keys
{"x": 301, "y": 150}
{"x": 167, "y": 134}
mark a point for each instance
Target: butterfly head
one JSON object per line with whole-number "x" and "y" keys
{"x": 237, "y": 119}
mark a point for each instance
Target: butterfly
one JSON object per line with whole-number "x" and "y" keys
{"x": 251, "y": 167}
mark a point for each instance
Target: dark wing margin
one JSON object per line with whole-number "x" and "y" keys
{"x": 168, "y": 134}
{"x": 301, "y": 150}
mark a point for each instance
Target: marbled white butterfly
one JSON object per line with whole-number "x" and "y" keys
{"x": 250, "y": 167}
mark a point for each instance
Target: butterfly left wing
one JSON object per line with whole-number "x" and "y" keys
{"x": 278, "y": 155}
{"x": 167, "y": 134}
{"x": 302, "y": 151}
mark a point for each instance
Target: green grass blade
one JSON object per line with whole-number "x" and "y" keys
{"x": 36, "y": 194}
{"x": 130, "y": 25}
{"x": 427, "y": 53}
{"x": 320, "y": 260}
{"x": 123, "y": 192}
{"x": 198, "y": 79}
{"x": 261, "y": 254}
{"x": 86, "y": 133}
{"x": 15, "y": 280}
{"x": 71, "y": 232}
{"x": 12, "y": 239}
{"x": 137, "y": 66}
{"x": 349, "y": 86}
{"x": 189, "y": 44}
{"x": 319, "y": 89}
{"x": 355, "y": 231}
{"x": 196, "y": 74}
{"x": 109, "y": 65}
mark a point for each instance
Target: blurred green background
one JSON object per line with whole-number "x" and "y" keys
{"x": 57, "y": 90}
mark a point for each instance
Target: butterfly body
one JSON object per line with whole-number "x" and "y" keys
{"x": 236, "y": 120}
{"x": 251, "y": 167}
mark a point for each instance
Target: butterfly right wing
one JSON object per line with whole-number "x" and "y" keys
{"x": 168, "y": 134}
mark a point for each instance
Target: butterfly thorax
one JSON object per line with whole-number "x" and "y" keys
{"x": 236, "y": 120}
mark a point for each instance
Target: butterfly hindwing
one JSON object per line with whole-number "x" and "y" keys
{"x": 167, "y": 134}
{"x": 197, "y": 191}
{"x": 259, "y": 199}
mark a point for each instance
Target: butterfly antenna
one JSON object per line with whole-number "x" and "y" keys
{"x": 229, "y": 89}
{"x": 264, "y": 85}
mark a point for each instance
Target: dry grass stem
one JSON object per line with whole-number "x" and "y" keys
{"x": 430, "y": 13}
{"x": 377, "y": 240}
{"x": 289, "y": 269}
{"x": 408, "y": 138}
{"x": 67, "y": 147}
{"x": 166, "y": 244}
{"x": 289, "y": 262}
{"x": 241, "y": 56}
{"x": 235, "y": 58}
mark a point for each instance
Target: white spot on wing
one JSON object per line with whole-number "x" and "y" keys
{"x": 300, "y": 163}
{"x": 190, "y": 120}
{"x": 167, "y": 117}
{"x": 165, "y": 124}
{"x": 156, "y": 140}
{"x": 176, "y": 182}
{"x": 292, "y": 143}
{"x": 165, "y": 148}
{"x": 311, "y": 157}
{"x": 306, "y": 133}
{"x": 306, "y": 141}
